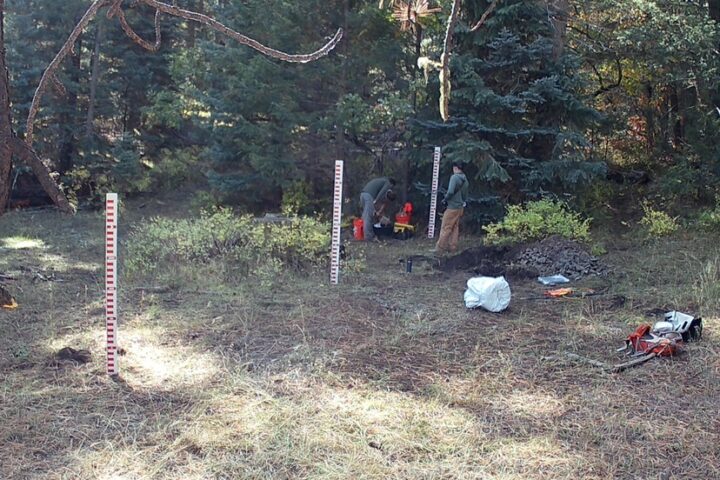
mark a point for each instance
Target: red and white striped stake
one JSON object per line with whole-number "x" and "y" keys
{"x": 337, "y": 217}
{"x": 433, "y": 192}
{"x": 111, "y": 307}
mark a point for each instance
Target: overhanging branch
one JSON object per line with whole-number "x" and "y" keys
{"x": 243, "y": 39}
{"x": 484, "y": 16}
{"x": 49, "y": 76}
{"x": 134, "y": 36}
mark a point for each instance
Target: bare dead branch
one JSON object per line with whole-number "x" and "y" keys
{"x": 484, "y": 16}
{"x": 50, "y": 71}
{"x": 135, "y": 37}
{"x": 58, "y": 86}
{"x": 445, "y": 62}
{"x": 270, "y": 52}
{"x": 115, "y": 9}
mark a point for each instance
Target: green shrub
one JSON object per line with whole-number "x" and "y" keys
{"x": 658, "y": 223}
{"x": 301, "y": 242}
{"x": 129, "y": 173}
{"x": 173, "y": 168}
{"x": 226, "y": 246}
{"x": 535, "y": 221}
{"x": 710, "y": 219}
{"x": 87, "y": 183}
{"x": 297, "y": 198}
{"x": 202, "y": 201}
{"x": 598, "y": 250}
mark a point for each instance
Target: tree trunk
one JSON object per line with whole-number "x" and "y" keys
{"x": 67, "y": 147}
{"x": 676, "y": 116}
{"x": 714, "y": 9}
{"x": 94, "y": 78}
{"x": 192, "y": 28}
{"x": 6, "y": 133}
{"x": 559, "y": 24}
{"x": 649, "y": 118}
{"x": 30, "y": 158}
{"x": 342, "y": 81}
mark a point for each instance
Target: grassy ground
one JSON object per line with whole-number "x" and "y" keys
{"x": 384, "y": 376}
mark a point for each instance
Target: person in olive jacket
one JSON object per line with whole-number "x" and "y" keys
{"x": 373, "y": 198}
{"x": 455, "y": 200}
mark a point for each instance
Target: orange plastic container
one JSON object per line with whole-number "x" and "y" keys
{"x": 402, "y": 218}
{"x": 358, "y": 232}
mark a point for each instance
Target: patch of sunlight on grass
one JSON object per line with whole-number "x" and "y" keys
{"x": 112, "y": 475}
{"x": 150, "y": 360}
{"x": 600, "y": 330}
{"x": 330, "y": 433}
{"x": 526, "y": 403}
{"x": 337, "y": 433}
{"x": 56, "y": 262}
{"x": 537, "y": 457}
{"x": 22, "y": 243}
{"x": 90, "y": 267}
{"x": 154, "y": 361}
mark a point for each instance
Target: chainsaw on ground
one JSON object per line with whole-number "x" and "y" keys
{"x": 645, "y": 341}
{"x": 664, "y": 338}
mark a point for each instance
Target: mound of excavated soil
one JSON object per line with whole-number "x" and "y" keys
{"x": 557, "y": 255}
{"x": 554, "y": 255}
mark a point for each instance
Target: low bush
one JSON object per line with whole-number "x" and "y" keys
{"x": 657, "y": 223}
{"x": 173, "y": 168}
{"x": 709, "y": 220}
{"x": 535, "y": 221}
{"x": 230, "y": 246}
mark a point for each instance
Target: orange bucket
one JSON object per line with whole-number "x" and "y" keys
{"x": 402, "y": 218}
{"x": 358, "y": 229}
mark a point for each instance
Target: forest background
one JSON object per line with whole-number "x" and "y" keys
{"x": 575, "y": 100}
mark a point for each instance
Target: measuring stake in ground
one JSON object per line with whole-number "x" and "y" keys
{"x": 337, "y": 217}
{"x": 111, "y": 307}
{"x": 433, "y": 192}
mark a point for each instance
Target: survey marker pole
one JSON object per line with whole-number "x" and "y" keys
{"x": 337, "y": 218}
{"x": 111, "y": 300}
{"x": 434, "y": 192}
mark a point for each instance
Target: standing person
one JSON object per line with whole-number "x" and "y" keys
{"x": 455, "y": 200}
{"x": 373, "y": 196}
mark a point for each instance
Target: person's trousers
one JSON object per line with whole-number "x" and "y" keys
{"x": 368, "y": 215}
{"x": 450, "y": 230}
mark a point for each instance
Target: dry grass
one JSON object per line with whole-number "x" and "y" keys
{"x": 385, "y": 376}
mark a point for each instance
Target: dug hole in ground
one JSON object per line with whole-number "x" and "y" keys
{"x": 387, "y": 375}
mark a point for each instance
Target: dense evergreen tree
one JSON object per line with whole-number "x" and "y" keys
{"x": 543, "y": 93}
{"x": 270, "y": 127}
{"x": 126, "y": 76}
{"x": 517, "y": 113}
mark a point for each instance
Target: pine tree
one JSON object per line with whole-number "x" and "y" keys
{"x": 269, "y": 126}
{"x": 517, "y": 116}
{"x": 34, "y": 24}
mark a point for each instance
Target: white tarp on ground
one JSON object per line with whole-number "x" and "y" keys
{"x": 490, "y": 293}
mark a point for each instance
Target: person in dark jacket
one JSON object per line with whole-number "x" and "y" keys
{"x": 373, "y": 198}
{"x": 455, "y": 200}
